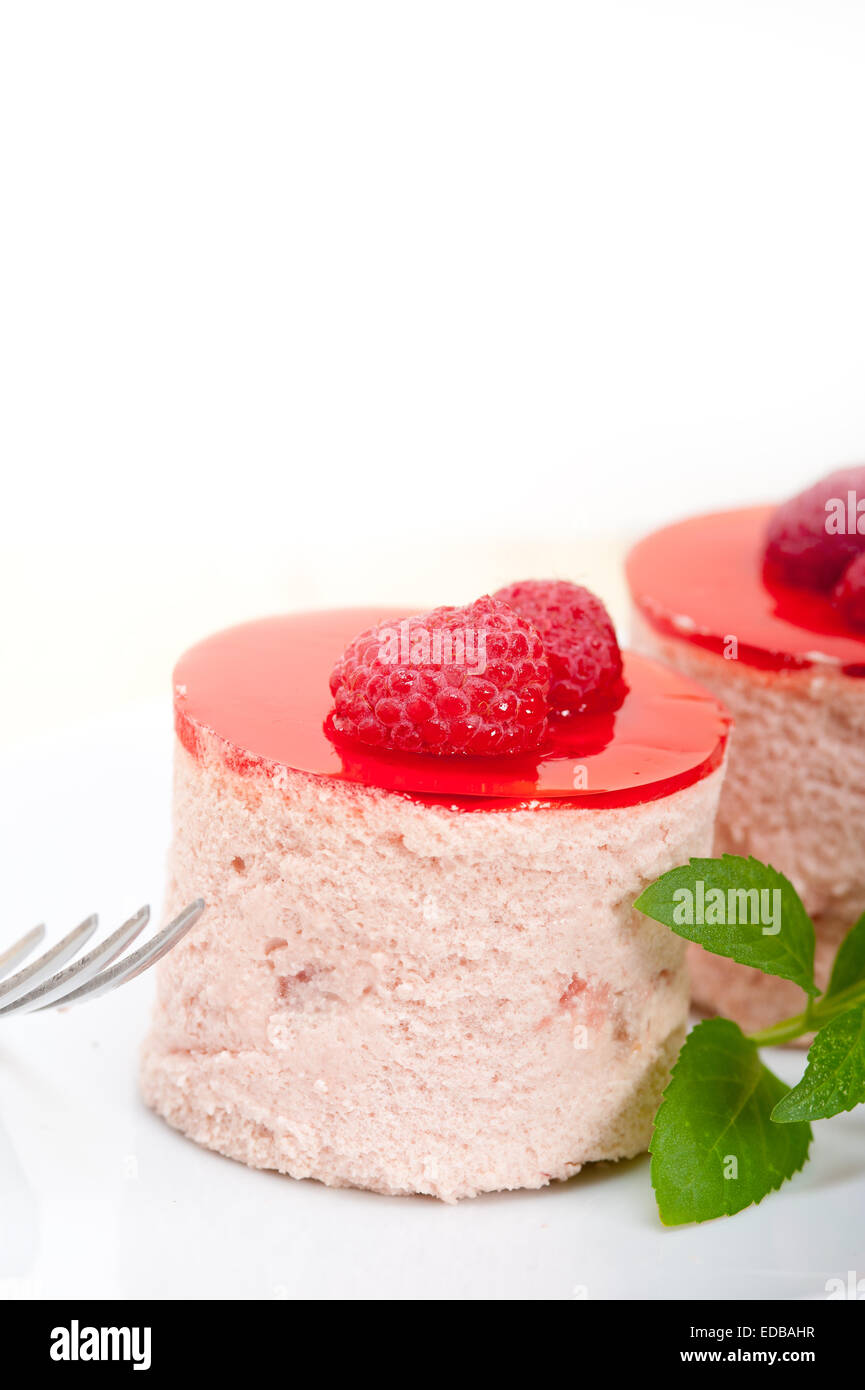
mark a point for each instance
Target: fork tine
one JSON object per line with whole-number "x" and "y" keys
{"x": 20, "y": 951}
{"x": 81, "y": 970}
{"x": 58, "y": 955}
{"x": 139, "y": 961}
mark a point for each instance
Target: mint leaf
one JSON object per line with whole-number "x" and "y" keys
{"x": 737, "y": 908}
{"x": 834, "y": 1079}
{"x": 714, "y": 1148}
{"x": 849, "y": 967}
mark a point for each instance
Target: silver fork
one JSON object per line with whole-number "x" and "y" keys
{"x": 36, "y": 987}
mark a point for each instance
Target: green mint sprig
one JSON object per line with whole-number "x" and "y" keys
{"x": 728, "y": 1131}
{"x": 714, "y": 1148}
{"x": 712, "y": 891}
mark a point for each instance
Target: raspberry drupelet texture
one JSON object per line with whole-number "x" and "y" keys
{"x": 804, "y": 545}
{"x": 849, "y": 593}
{"x": 470, "y": 680}
{"x": 579, "y": 640}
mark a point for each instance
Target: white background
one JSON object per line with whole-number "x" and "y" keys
{"x": 308, "y": 303}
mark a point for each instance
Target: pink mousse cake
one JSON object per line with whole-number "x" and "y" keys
{"x": 421, "y": 974}
{"x": 789, "y": 666}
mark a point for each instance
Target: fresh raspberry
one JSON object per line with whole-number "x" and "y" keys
{"x": 849, "y": 595}
{"x": 806, "y": 545}
{"x": 579, "y": 640}
{"x": 456, "y": 680}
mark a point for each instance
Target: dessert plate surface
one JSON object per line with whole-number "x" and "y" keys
{"x": 98, "y": 1198}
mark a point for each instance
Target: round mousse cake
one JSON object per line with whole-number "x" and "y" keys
{"x": 421, "y": 974}
{"x": 790, "y": 668}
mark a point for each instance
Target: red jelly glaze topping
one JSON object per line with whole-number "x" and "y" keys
{"x": 703, "y": 581}
{"x": 262, "y": 689}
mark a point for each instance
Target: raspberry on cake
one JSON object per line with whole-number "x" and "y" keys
{"x": 579, "y": 640}
{"x": 787, "y": 657}
{"x": 417, "y": 972}
{"x": 813, "y": 538}
{"x": 849, "y": 593}
{"x": 456, "y": 680}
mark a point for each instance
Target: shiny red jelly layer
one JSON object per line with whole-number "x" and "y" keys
{"x": 262, "y": 689}
{"x": 702, "y": 581}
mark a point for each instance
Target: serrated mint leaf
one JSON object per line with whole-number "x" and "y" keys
{"x": 834, "y": 1078}
{"x": 849, "y": 967}
{"x": 714, "y": 1148}
{"x": 737, "y": 908}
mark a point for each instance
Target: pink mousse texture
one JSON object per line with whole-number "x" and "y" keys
{"x": 403, "y": 997}
{"x": 794, "y": 797}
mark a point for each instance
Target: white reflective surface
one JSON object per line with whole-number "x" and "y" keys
{"x": 100, "y": 1199}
